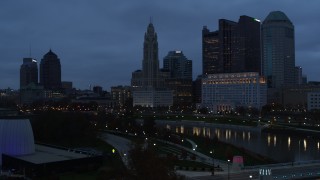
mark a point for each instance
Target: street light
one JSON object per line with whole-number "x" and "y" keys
{"x": 228, "y": 169}
{"x": 299, "y": 150}
{"x": 250, "y": 176}
{"x": 211, "y": 152}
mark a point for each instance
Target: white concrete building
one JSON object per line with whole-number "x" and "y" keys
{"x": 150, "y": 97}
{"x": 224, "y": 92}
{"x": 313, "y": 100}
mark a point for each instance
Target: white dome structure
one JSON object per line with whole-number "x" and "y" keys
{"x": 16, "y": 137}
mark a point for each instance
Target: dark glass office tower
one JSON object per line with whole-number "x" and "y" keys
{"x": 180, "y": 79}
{"x": 50, "y": 71}
{"x": 178, "y": 65}
{"x": 278, "y": 50}
{"x": 28, "y": 72}
{"x": 211, "y": 61}
{"x": 247, "y": 51}
{"x": 235, "y": 47}
{"x": 227, "y": 42}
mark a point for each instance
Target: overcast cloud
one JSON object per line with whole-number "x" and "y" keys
{"x": 99, "y": 42}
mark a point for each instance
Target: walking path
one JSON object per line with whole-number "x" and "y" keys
{"x": 194, "y": 146}
{"x": 122, "y": 145}
{"x": 201, "y": 157}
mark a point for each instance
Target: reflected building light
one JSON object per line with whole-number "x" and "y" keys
{"x": 196, "y": 131}
{"x": 177, "y": 130}
{"x": 249, "y": 136}
{"x": 182, "y": 130}
{"x": 289, "y": 142}
{"x": 235, "y": 135}
{"x": 209, "y": 132}
{"x": 305, "y": 144}
{"x": 318, "y": 146}
{"x": 274, "y": 140}
{"x": 243, "y": 135}
{"x": 168, "y": 127}
{"x": 204, "y": 131}
{"x": 229, "y": 134}
{"x": 269, "y": 139}
{"x": 218, "y": 134}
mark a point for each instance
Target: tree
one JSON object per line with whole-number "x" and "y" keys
{"x": 67, "y": 129}
{"x": 241, "y": 110}
{"x": 228, "y": 152}
{"x": 145, "y": 164}
{"x": 148, "y": 125}
{"x": 203, "y": 110}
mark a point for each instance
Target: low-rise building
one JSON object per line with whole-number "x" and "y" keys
{"x": 150, "y": 97}
{"x": 121, "y": 94}
{"x": 313, "y": 100}
{"x": 224, "y": 92}
{"x": 31, "y": 93}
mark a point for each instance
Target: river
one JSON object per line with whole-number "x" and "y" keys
{"x": 280, "y": 147}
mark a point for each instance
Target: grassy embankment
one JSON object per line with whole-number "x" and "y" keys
{"x": 233, "y": 120}
{"x": 224, "y": 151}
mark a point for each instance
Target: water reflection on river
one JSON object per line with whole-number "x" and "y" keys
{"x": 283, "y": 148}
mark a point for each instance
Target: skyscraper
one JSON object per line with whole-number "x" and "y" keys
{"x": 247, "y": 56}
{"x": 50, "y": 71}
{"x": 178, "y": 65}
{"x": 148, "y": 83}
{"x": 278, "y": 50}
{"x": 28, "y": 72}
{"x": 150, "y": 62}
{"x": 235, "y": 47}
{"x": 298, "y": 75}
{"x": 180, "y": 79}
{"x": 149, "y": 76}
{"x": 211, "y": 60}
{"x": 227, "y": 43}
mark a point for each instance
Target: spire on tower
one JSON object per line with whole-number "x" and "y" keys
{"x": 151, "y": 20}
{"x": 29, "y": 50}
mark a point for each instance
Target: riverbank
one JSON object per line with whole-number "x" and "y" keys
{"x": 222, "y": 151}
{"x": 292, "y": 131}
{"x": 225, "y": 151}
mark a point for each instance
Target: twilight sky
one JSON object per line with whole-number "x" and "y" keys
{"x": 99, "y": 42}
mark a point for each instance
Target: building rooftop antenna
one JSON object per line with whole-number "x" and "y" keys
{"x": 30, "y": 50}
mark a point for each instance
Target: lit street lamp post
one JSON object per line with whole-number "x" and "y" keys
{"x": 228, "y": 169}
{"x": 211, "y": 152}
{"x": 299, "y": 150}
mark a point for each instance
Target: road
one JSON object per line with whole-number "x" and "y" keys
{"x": 122, "y": 145}
{"x": 286, "y": 172}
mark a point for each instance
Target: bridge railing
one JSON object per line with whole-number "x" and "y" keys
{"x": 299, "y": 163}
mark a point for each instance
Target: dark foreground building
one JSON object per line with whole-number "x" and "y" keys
{"x": 18, "y": 151}
{"x": 49, "y": 160}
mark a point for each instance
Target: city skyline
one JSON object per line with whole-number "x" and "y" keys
{"x": 104, "y": 39}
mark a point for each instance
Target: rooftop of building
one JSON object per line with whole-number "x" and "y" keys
{"x": 51, "y": 53}
{"x": 276, "y": 16}
{"x": 45, "y": 154}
